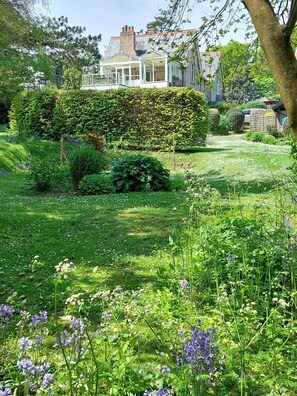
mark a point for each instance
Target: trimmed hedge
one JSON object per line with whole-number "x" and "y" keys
{"x": 140, "y": 117}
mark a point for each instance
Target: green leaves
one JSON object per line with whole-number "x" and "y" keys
{"x": 154, "y": 118}
{"x": 139, "y": 173}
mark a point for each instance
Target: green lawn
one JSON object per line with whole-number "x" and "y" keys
{"x": 236, "y": 253}
{"x": 121, "y": 234}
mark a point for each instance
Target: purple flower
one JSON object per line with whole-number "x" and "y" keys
{"x": 47, "y": 380}
{"x": 42, "y": 368}
{"x": 67, "y": 339}
{"x": 200, "y": 351}
{"x": 163, "y": 392}
{"x": 39, "y": 319}
{"x": 77, "y": 325}
{"x": 106, "y": 316}
{"x": 287, "y": 222}
{"x": 230, "y": 257}
{"x": 6, "y": 392}
{"x": 147, "y": 393}
{"x": 6, "y": 313}
{"x": 165, "y": 369}
{"x": 25, "y": 343}
{"x": 184, "y": 284}
{"x": 26, "y": 366}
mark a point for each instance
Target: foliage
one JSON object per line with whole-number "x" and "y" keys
{"x": 46, "y": 175}
{"x": 142, "y": 118}
{"x": 21, "y": 55}
{"x": 272, "y": 130}
{"x": 223, "y": 126}
{"x": 235, "y": 120}
{"x": 286, "y": 127}
{"x": 223, "y": 107}
{"x": 96, "y": 184}
{"x": 139, "y": 173}
{"x": 254, "y": 104}
{"x": 69, "y": 51}
{"x": 85, "y": 160}
{"x": 269, "y": 139}
{"x": 256, "y": 136}
{"x": 214, "y": 120}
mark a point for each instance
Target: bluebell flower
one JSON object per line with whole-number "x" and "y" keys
{"x": 25, "y": 343}
{"x": 39, "y": 319}
{"x": 26, "y": 366}
{"x": 47, "y": 380}
{"x": 184, "y": 284}
{"x": 230, "y": 257}
{"x": 77, "y": 325}
{"x": 6, "y": 313}
{"x": 165, "y": 369}
{"x": 200, "y": 351}
{"x": 106, "y": 316}
{"x": 6, "y": 392}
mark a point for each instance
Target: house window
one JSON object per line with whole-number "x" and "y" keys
{"x": 192, "y": 72}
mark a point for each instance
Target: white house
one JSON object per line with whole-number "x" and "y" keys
{"x": 148, "y": 60}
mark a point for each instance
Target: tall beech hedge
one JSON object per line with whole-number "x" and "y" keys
{"x": 139, "y": 117}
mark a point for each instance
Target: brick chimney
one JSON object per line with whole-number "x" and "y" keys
{"x": 127, "y": 37}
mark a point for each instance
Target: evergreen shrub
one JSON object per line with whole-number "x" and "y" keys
{"x": 214, "y": 121}
{"x": 85, "y": 160}
{"x": 139, "y": 173}
{"x": 235, "y": 120}
{"x": 96, "y": 184}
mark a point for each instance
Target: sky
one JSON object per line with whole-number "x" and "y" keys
{"x": 106, "y": 17}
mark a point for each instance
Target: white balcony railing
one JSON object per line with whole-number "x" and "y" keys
{"x": 97, "y": 80}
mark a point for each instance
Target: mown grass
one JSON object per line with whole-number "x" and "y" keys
{"x": 120, "y": 234}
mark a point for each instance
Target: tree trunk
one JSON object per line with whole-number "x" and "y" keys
{"x": 279, "y": 54}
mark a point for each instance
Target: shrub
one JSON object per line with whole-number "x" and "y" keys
{"x": 96, "y": 184}
{"x": 272, "y": 130}
{"x": 254, "y": 104}
{"x": 41, "y": 175}
{"x": 46, "y": 175}
{"x": 141, "y": 118}
{"x": 139, "y": 173}
{"x": 269, "y": 139}
{"x": 214, "y": 120}
{"x": 85, "y": 160}
{"x": 255, "y": 136}
{"x": 32, "y": 112}
{"x": 235, "y": 119}
{"x": 223, "y": 126}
